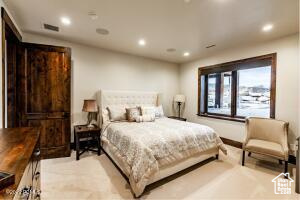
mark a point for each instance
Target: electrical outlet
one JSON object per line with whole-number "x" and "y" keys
{"x": 293, "y": 147}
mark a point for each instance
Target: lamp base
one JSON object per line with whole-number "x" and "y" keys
{"x": 89, "y": 122}
{"x": 90, "y": 125}
{"x": 179, "y": 104}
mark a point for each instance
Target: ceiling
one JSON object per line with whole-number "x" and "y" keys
{"x": 162, "y": 23}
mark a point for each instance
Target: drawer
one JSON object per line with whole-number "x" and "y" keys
{"x": 36, "y": 186}
{"x": 29, "y": 187}
{"x": 36, "y": 181}
{"x": 35, "y": 159}
{"x": 24, "y": 188}
{"x": 36, "y": 175}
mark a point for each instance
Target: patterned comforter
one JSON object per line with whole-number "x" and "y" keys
{"x": 144, "y": 146}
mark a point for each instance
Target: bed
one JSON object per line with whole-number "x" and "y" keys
{"x": 150, "y": 151}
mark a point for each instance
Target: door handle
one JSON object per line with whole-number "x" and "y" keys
{"x": 37, "y": 175}
{"x": 66, "y": 114}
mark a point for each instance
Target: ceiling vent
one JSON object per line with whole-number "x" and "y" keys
{"x": 210, "y": 46}
{"x": 51, "y": 27}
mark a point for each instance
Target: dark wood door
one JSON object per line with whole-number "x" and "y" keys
{"x": 45, "y": 88}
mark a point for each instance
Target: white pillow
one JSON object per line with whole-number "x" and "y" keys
{"x": 148, "y": 110}
{"x": 159, "y": 112}
{"x": 145, "y": 118}
{"x": 116, "y": 113}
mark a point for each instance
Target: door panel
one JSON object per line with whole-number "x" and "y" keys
{"x": 58, "y": 75}
{"x": 37, "y": 85}
{"x": 43, "y": 130}
{"x": 55, "y": 133}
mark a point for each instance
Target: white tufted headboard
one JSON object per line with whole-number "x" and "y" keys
{"x": 125, "y": 99}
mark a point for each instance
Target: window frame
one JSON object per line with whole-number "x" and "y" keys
{"x": 234, "y": 66}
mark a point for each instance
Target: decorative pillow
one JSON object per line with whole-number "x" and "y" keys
{"x": 116, "y": 113}
{"x": 132, "y": 113}
{"x": 145, "y": 118}
{"x": 150, "y": 110}
{"x": 105, "y": 116}
{"x": 159, "y": 112}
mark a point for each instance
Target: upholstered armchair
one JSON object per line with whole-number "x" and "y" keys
{"x": 267, "y": 137}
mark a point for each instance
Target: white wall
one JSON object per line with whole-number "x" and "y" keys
{"x": 287, "y": 84}
{"x": 94, "y": 69}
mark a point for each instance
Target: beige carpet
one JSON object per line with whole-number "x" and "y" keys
{"x": 95, "y": 177}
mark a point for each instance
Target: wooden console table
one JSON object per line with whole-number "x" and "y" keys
{"x": 20, "y": 155}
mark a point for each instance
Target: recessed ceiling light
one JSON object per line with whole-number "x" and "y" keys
{"x": 187, "y": 1}
{"x": 186, "y": 54}
{"x": 171, "y": 50}
{"x": 65, "y": 20}
{"x": 142, "y": 42}
{"x": 102, "y": 31}
{"x": 267, "y": 27}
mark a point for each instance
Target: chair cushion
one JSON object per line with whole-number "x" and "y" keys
{"x": 265, "y": 147}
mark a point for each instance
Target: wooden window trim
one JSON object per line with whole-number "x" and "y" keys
{"x": 234, "y": 66}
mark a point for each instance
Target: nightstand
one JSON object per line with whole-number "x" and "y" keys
{"x": 90, "y": 134}
{"x": 177, "y": 118}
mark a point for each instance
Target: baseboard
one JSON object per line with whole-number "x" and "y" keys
{"x": 225, "y": 140}
{"x": 232, "y": 143}
{"x": 292, "y": 159}
{"x": 72, "y": 145}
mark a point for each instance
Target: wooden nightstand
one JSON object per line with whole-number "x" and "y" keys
{"x": 82, "y": 131}
{"x": 177, "y": 118}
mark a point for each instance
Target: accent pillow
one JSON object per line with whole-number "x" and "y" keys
{"x": 148, "y": 110}
{"x": 105, "y": 116}
{"x": 159, "y": 112}
{"x": 132, "y": 113}
{"x": 116, "y": 113}
{"x": 145, "y": 118}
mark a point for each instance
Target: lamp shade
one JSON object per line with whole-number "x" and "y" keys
{"x": 179, "y": 98}
{"x": 90, "y": 105}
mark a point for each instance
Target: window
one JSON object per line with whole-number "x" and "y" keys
{"x": 238, "y": 89}
{"x": 219, "y": 93}
{"x": 253, "y": 97}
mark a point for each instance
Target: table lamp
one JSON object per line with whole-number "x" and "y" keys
{"x": 90, "y": 106}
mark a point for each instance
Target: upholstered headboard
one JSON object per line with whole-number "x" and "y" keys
{"x": 125, "y": 99}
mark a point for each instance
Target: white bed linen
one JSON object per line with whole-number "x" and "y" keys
{"x": 143, "y": 148}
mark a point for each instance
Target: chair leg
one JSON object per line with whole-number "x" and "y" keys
{"x": 243, "y": 159}
{"x": 217, "y": 156}
{"x": 249, "y": 154}
{"x": 280, "y": 162}
{"x": 286, "y": 166}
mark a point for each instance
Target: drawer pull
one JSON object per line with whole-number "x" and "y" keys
{"x": 37, "y": 153}
{"x": 37, "y": 196}
{"x": 25, "y": 192}
{"x": 37, "y": 175}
